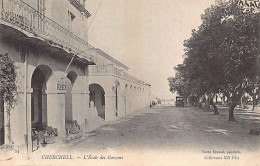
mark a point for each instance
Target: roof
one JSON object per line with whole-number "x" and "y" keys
{"x": 102, "y": 53}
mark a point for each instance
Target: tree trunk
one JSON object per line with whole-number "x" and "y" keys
{"x": 207, "y": 103}
{"x": 231, "y": 112}
{"x": 241, "y": 102}
{"x": 214, "y": 107}
{"x": 254, "y": 103}
{"x": 233, "y": 101}
{"x": 2, "y": 126}
{"x": 224, "y": 102}
{"x": 185, "y": 101}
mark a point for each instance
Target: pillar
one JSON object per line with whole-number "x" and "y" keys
{"x": 36, "y": 105}
{"x": 56, "y": 110}
{"x": 86, "y": 109}
{"x": 121, "y": 105}
{"x": 44, "y": 108}
{"x": 79, "y": 112}
{"x": 20, "y": 123}
{"x": 110, "y": 107}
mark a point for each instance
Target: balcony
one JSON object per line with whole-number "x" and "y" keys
{"x": 110, "y": 70}
{"x": 21, "y": 16}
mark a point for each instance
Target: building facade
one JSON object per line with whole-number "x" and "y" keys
{"x": 61, "y": 77}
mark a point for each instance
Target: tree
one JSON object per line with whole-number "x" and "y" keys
{"x": 221, "y": 54}
{"x": 238, "y": 33}
{"x": 252, "y": 90}
{"x": 8, "y": 90}
{"x": 200, "y": 65}
{"x": 179, "y": 84}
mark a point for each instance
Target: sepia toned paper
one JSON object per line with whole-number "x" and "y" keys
{"x": 147, "y": 37}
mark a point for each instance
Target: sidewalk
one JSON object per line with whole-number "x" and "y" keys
{"x": 6, "y": 154}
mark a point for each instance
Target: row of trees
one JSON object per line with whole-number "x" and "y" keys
{"x": 220, "y": 57}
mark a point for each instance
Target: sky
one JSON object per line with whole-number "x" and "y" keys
{"x": 145, "y": 35}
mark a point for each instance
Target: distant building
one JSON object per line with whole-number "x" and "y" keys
{"x": 168, "y": 102}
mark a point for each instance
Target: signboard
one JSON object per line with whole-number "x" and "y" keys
{"x": 61, "y": 87}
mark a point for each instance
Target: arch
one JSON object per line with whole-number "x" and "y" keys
{"x": 69, "y": 81}
{"x": 40, "y": 77}
{"x": 45, "y": 72}
{"x": 97, "y": 99}
{"x": 72, "y": 76}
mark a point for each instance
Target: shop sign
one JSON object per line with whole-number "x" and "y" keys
{"x": 61, "y": 87}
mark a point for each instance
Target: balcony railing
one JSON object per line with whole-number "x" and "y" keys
{"x": 22, "y": 15}
{"x": 110, "y": 70}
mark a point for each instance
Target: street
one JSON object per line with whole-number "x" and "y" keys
{"x": 174, "y": 136}
{"x": 171, "y": 128}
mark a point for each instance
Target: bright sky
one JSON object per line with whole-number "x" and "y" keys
{"x": 146, "y": 35}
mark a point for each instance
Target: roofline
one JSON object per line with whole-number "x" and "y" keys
{"x": 102, "y": 53}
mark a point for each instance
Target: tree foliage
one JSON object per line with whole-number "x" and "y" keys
{"x": 7, "y": 81}
{"x": 179, "y": 83}
{"x": 221, "y": 54}
{"x": 8, "y": 88}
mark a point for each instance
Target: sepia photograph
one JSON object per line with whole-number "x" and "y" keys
{"x": 130, "y": 82}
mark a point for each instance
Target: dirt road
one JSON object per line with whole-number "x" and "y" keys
{"x": 164, "y": 136}
{"x": 169, "y": 128}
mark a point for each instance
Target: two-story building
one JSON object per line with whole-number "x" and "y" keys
{"x": 60, "y": 77}
{"x": 113, "y": 92}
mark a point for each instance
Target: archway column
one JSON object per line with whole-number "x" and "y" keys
{"x": 121, "y": 105}
{"x": 79, "y": 111}
{"x": 86, "y": 109}
{"x": 140, "y": 101}
{"x": 21, "y": 116}
{"x": 126, "y": 104}
{"x": 110, "y": 107}
{"x": 128, "y": 100}
{"x": 56, "y": 110}
{"x": 134, "y": 102}
{"x": 44, "y": 107}
{"x": 131, "y": 101}
{"x": 35, "y": 101}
